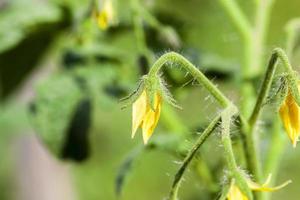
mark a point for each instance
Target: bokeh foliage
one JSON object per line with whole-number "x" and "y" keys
{"x": 83, "y": 61}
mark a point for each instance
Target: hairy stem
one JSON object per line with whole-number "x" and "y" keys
{"x": 265, "y": 88}
{"x": 179, "y": 175}
{"x": 266, "y": 85}
{"x": 246, "y": 87}
{"x": 248, "y": 132}
{"x": 254, "y": 42}
{"x": 231, "y": 162}
{"x": 173, "y": 57}
{"x": 254, "y": 49}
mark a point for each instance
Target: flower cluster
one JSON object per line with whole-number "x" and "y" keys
{"x": 147, "y": 106}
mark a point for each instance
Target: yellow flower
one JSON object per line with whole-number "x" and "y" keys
{"x": 235, "y": 193}
{"x": 105, "y": 16}
{"x": 144, "y": 116}
{"x": 290, "y": 116}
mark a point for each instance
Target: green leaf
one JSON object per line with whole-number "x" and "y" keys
{"x": 21, "y": 18}
{"x": 55, "y": 102}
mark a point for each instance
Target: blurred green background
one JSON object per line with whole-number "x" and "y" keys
{"x": 54, "y": 56}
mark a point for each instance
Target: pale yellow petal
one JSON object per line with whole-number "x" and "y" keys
{"x": 235, "y": 193}
{"x": 294, "y": 113}
{"x": 151, "y": 118}
{"x": 290, "y": 115}
{"x": 106, "y": 16}
{"x": 102, "y": 20}
{"x": 284, "y": 114}
{"x": 257, "y": 187}
{"x": 268, "y": 180}
{"x": 264, "y": 187}
{"x": 138, "y": 112}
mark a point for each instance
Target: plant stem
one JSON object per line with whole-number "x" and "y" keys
{"x": 226, "y": 140}
{"x": 265, "y": 88}
{"x": 179, "y": 175}
{"x": 291, "y": 75}
{"x": 250, "y": 150}
{"x": 254, "y": 59}
{"x": 278, "y": 142}
{"x": 230, "y": 109}
{"x": 246, "y": 89}
{"x": 254, "y": 41}
{"x": 264, "y": 91}
{"x": 254, "y": 49}
{"x": 168, "y": 116}
{"x": 173, "y": 57}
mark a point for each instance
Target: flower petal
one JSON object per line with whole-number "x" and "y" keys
{"x": 102, "y": 20}
{"x": 138, "y": 112}
{"x": 290, "y": 116}
{"x": 294, "y": 114}
{"x": 151, "y": 118}
{"x": 106, "y": 16}
{"x": 264, "y": 187}
{"x": 235, "y": 193}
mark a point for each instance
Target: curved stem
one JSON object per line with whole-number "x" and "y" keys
{"x": 251, "y": 151}
{"x": 291, "y": 75}
{"x": 224, "y": 102}
{"x": 225, "y": 116}
{"x": 266, "y": 85}
{"x": 231, "y": 162}
{"x": 179, "y": 175}
{"x": 230, "y": 109}
{"x": 173, "y": 57}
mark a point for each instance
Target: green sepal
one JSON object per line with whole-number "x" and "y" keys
{"x": 166, "y": 94}
{"x": 293, "y": 85}
{"x": 132, "y": 97}
{"x": 279, "y": 92}
{"x": 151, "y": 86}
{"x": 225, "y": 190}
